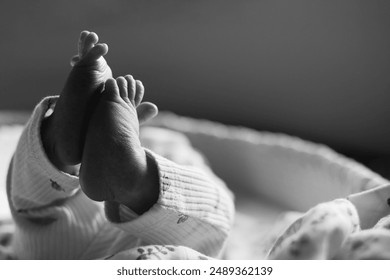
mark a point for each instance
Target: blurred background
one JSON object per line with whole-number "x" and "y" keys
{"x": 319, "y": 70}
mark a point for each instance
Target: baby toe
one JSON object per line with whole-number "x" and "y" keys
{"x": 90, "y": 41}
{"x": 96, "y": 52}
{"x": 139, "y": 95}
{"x": 81, "y": 41}
{"x": 131, "y": 85}
{"x": 122, "y": 85}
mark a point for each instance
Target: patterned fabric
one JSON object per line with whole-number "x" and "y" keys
{"x": 331, "y": 231}
{"x": 319, "y": 233}
{"x": 159, "y": 252}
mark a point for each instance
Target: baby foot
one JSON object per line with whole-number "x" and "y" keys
{"x": 68, "y": 124}
{"x": 114, "y": 165}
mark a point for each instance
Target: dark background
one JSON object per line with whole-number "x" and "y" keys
{"x": 316, "y": 69}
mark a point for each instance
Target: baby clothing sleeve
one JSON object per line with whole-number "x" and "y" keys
{"x": 31, "y": 169}
{"x": 194, "y": 209}
{"x": 54, "y": 219}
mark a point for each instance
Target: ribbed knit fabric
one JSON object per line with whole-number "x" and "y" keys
{"x": 190, "y": 209}
{"x": 56, "y": 220}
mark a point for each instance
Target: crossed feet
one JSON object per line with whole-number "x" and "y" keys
{"x": 96, "y": 123}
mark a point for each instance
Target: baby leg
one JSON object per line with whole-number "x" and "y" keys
{"x": 64, "y": 131}
{"x": 114, "y": 165}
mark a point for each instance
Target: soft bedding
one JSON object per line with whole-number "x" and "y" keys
{"x": 9, "y": 135}
{"x": 276, "y": 179}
